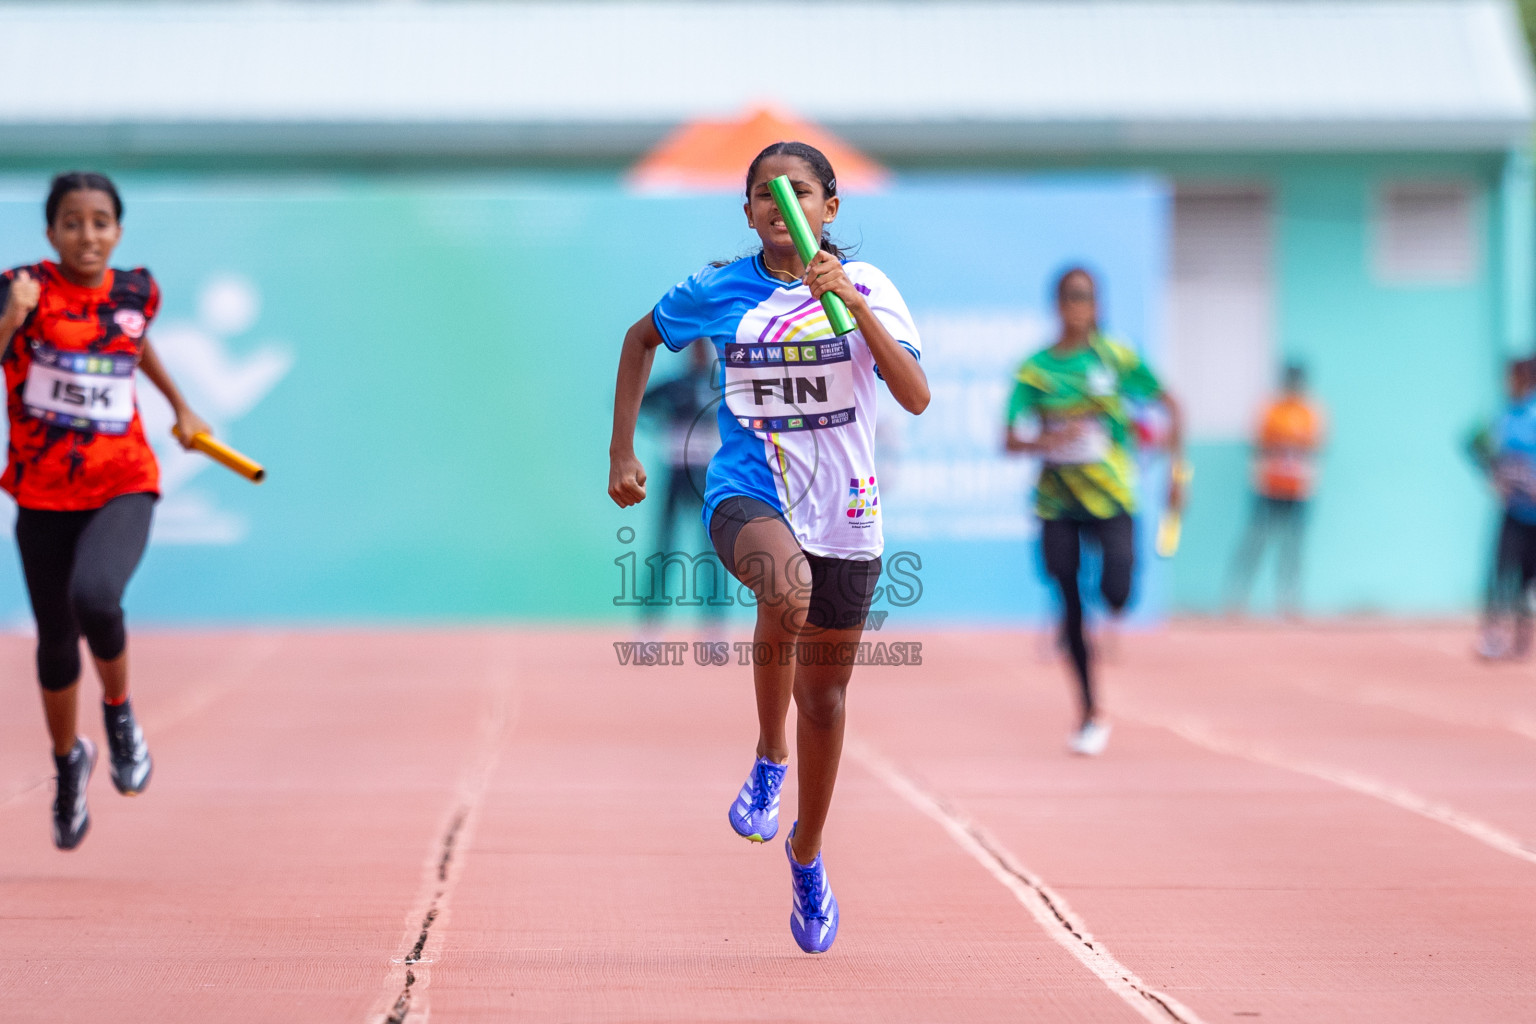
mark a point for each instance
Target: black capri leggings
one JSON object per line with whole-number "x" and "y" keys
{"x": 77, "y": 566}
{"x": 1514, "y": 567}
{"x": 1061, "y": 544}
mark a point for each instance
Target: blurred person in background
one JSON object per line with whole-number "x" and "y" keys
{"x": 1284, "y": 476}
{"x": 1080, "y": 390}
{"x": 1506, "y": 452}
{"x": 85, "y": 481}
{"x": 685, "y": 406}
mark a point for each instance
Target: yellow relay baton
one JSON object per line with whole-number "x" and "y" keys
{"x": 1171, "y": 528}
{"x": 226, "y": 456}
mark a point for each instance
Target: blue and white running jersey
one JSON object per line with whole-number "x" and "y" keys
{"x": 797, "y": 416}
{"x": 1515, "y": 459}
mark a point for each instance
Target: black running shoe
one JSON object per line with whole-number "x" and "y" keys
{"x": 71, "y": 819}
{"x": 131, "y": 763}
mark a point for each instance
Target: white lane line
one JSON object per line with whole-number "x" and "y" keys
{"x": 1412, "y": 703}
{"x": 1416, "y": 704}
{"x": 1201, "y": 735}
{"x": 404, "y": 995}
{"x": 1047, "y": 907}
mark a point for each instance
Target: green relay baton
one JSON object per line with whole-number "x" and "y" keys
{"x": 808, "y": 246}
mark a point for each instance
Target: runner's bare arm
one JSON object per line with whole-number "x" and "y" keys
{"x": 188, "y": 423}
{"x": 902, "y": 372}
{"x": 626, "y": 476}
{"x": 19, "y": 304}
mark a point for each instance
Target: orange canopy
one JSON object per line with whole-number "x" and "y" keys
{"x": 713, "y": 156}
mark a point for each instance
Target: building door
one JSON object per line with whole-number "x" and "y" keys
{"x": 1221, "y": 346}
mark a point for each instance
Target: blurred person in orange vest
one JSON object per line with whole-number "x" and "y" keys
{"x": 1284, "y": 475}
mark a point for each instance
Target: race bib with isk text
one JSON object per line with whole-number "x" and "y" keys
{"x": 777, "y": 388}
{"x": 80, "y": 391}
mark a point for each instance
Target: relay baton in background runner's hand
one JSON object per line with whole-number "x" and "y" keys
{"x": 807, "y": 245}
{"x": 227, "y": 456}
{"x": 1171, "y": 528}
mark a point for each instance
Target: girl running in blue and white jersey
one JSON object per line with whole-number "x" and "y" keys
{"x": 791, "y": 501}
{"x": 1507, "y": 453}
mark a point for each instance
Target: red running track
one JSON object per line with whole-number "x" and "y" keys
{"x": 1336, "y": 824}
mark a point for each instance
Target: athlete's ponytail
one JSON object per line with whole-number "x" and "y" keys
{"x": 820, "y": 166}
{"x": 80, "y": 181}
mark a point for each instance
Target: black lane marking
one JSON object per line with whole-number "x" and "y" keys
{"x": 402, "y": 1006}
{"x": 998, "y": 859}
{"x": 449, "y": 839}
{"x": 414, "y": 956}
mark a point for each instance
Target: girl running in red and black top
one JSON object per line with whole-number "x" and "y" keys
{"x": 81, "y": 471}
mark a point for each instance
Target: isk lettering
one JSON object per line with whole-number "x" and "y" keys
{"x": 76, "y": 394}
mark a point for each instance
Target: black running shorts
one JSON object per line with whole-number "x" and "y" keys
{"x": 841, "y": 588}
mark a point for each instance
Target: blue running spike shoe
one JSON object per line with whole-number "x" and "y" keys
{"x": 755, "y": 811}
{"x": 813, "y": 918}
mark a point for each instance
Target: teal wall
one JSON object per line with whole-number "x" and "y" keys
{"x": 1401, "y": 523}
{"x": 524, "y": 282}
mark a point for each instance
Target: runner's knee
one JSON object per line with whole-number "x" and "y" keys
{"x": 1116, "y": 588}
{"x": 98, "y": 608}
{"x": 821, "y": 703}
{"x": 58, "y": 662}
{"x": 1117, "y": 538}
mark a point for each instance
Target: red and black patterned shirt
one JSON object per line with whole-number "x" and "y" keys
{"x": 76, "y": 439}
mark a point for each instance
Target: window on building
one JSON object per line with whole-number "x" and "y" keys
{"x": 1425, "y": 233}
{"x": 1221, "y": 308}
